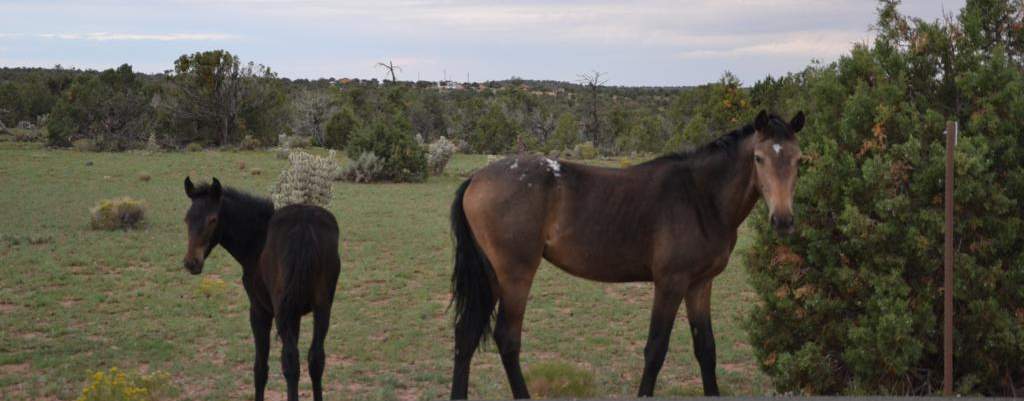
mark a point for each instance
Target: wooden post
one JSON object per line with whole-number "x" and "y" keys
{"x": 947, "y": 308}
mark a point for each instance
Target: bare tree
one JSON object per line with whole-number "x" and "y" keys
{"x": 391, "y": 68}
{"x": 593, "y": 80}
{"x": 310, "y": 110}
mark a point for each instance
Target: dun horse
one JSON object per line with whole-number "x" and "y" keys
{"x": 672, "y": 221}
{"x": 290, "y": 266}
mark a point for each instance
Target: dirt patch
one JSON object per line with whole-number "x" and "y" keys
{"x": 15, "y": 369}
{"x": 7, "y": 308}
{"x": 737, "y": 368}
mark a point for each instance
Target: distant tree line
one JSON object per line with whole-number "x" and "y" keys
{"x": 213, "y": 98}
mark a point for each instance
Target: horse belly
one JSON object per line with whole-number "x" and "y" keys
{"x": 609, "y": 264}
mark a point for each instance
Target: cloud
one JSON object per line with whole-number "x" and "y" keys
{"x": 107, "y": 36}
{"x": 802, "y": 45}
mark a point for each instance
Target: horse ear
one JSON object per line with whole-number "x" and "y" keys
{"x": 797, "y": 123}
{"x": 190, "y": 189}
{"x": 761, "y": 121}
{"x": 215, "y": 189}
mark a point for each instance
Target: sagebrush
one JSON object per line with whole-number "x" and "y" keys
{"x": 118, "y": 214}
{"x": 307, "y": 180}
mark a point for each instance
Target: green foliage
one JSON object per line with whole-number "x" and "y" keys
{"x": 559, "y": 380}
{"x": 118, "y": 214}
{"x": 585, "y": 150}
{"x": 852, "y": 303}
{"x": 111, "y": 109}
{"x": 392, "y": 139}
{"x": 644, "y": 137}
{"x": 340, "y": 127}
{"x": 213, "y": 97}
{"x": 495, "y": 132}
{"x": 567, "y": 133}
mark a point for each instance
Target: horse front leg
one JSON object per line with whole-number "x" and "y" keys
{"x": 260, "y": 321}
{"x": 698, "y": 311}
{"x": 667, "y": 297}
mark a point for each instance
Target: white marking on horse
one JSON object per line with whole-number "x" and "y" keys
{"x": 777, "y": 148}
{"x": 554, "y": 166}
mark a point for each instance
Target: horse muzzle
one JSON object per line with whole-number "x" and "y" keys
{"x": 193, "y": 265}
{"x": 782, "y": 223}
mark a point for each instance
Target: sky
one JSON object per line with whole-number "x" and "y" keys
{"x": 634, "y": 43}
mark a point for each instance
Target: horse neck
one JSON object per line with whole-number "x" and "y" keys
{"x": 729, "y": 181}
{"x": 244, "y": 230}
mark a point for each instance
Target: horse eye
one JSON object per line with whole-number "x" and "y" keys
{"x": 758, "y": 159}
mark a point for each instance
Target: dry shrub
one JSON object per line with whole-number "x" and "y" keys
{"x": 144, "y": 176}
{"x": 306, "y": 180}
{"x": 119, "y": 213}
{"x": 250, "y": 143}
{"x": 559, "y": 380}
{"x": 241, "y": 165}
{"x": 84, "y": 145}
{"x": 438, "y": 154}
{"x": 366, "y": 168}
{"x": 256, "y": 171}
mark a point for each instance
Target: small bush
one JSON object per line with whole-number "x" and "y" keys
{"x": 438, "y": 155}
{"x": 26, "y": 135}
{"x": 294, "y": 141}
{"x": 366, "y": 168}
{"x": 241, "y": 165}
{"x": 144, "y": 176}
{"x": 151, "y": 144}
{"x": 115, "y": 385}
{"x": 391, "y": 139}
{"x": 84, "y": 145}
{"x": 340, "y": 127}
{"x": 306, "y": 180}
{"x": 120, "y": 213}
{"x": 559, "y": 380}
{"x": 585, "y": 150}
{"x": 250, "y": 143}
{"x": 256, "y": 171}
{"x": 194, "y": 147}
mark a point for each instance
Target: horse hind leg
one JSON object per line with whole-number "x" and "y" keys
{"x": 316, "y": 356}
{"x": 509, "y": 327}
{"x": 288, "y": 330}
{"x": 261, "y": 321}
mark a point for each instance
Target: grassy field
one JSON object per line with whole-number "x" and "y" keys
{"x": 74, "y": 301}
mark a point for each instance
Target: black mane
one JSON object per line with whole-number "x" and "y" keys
{"x": 244, "y": 199}
{"x": 729, "y": 142}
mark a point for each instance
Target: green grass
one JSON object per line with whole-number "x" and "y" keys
{"x": 84, "y": 300}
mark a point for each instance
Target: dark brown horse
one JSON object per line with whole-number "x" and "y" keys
{"x": 290, "y": 267}
{"x": 672, "y": 221}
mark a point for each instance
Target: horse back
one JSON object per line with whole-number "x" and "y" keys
{"x": 300, "y": 262}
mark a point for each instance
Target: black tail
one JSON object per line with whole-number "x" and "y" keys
{"x": 298, "y": 272}
{"x": 471, "y": 285}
